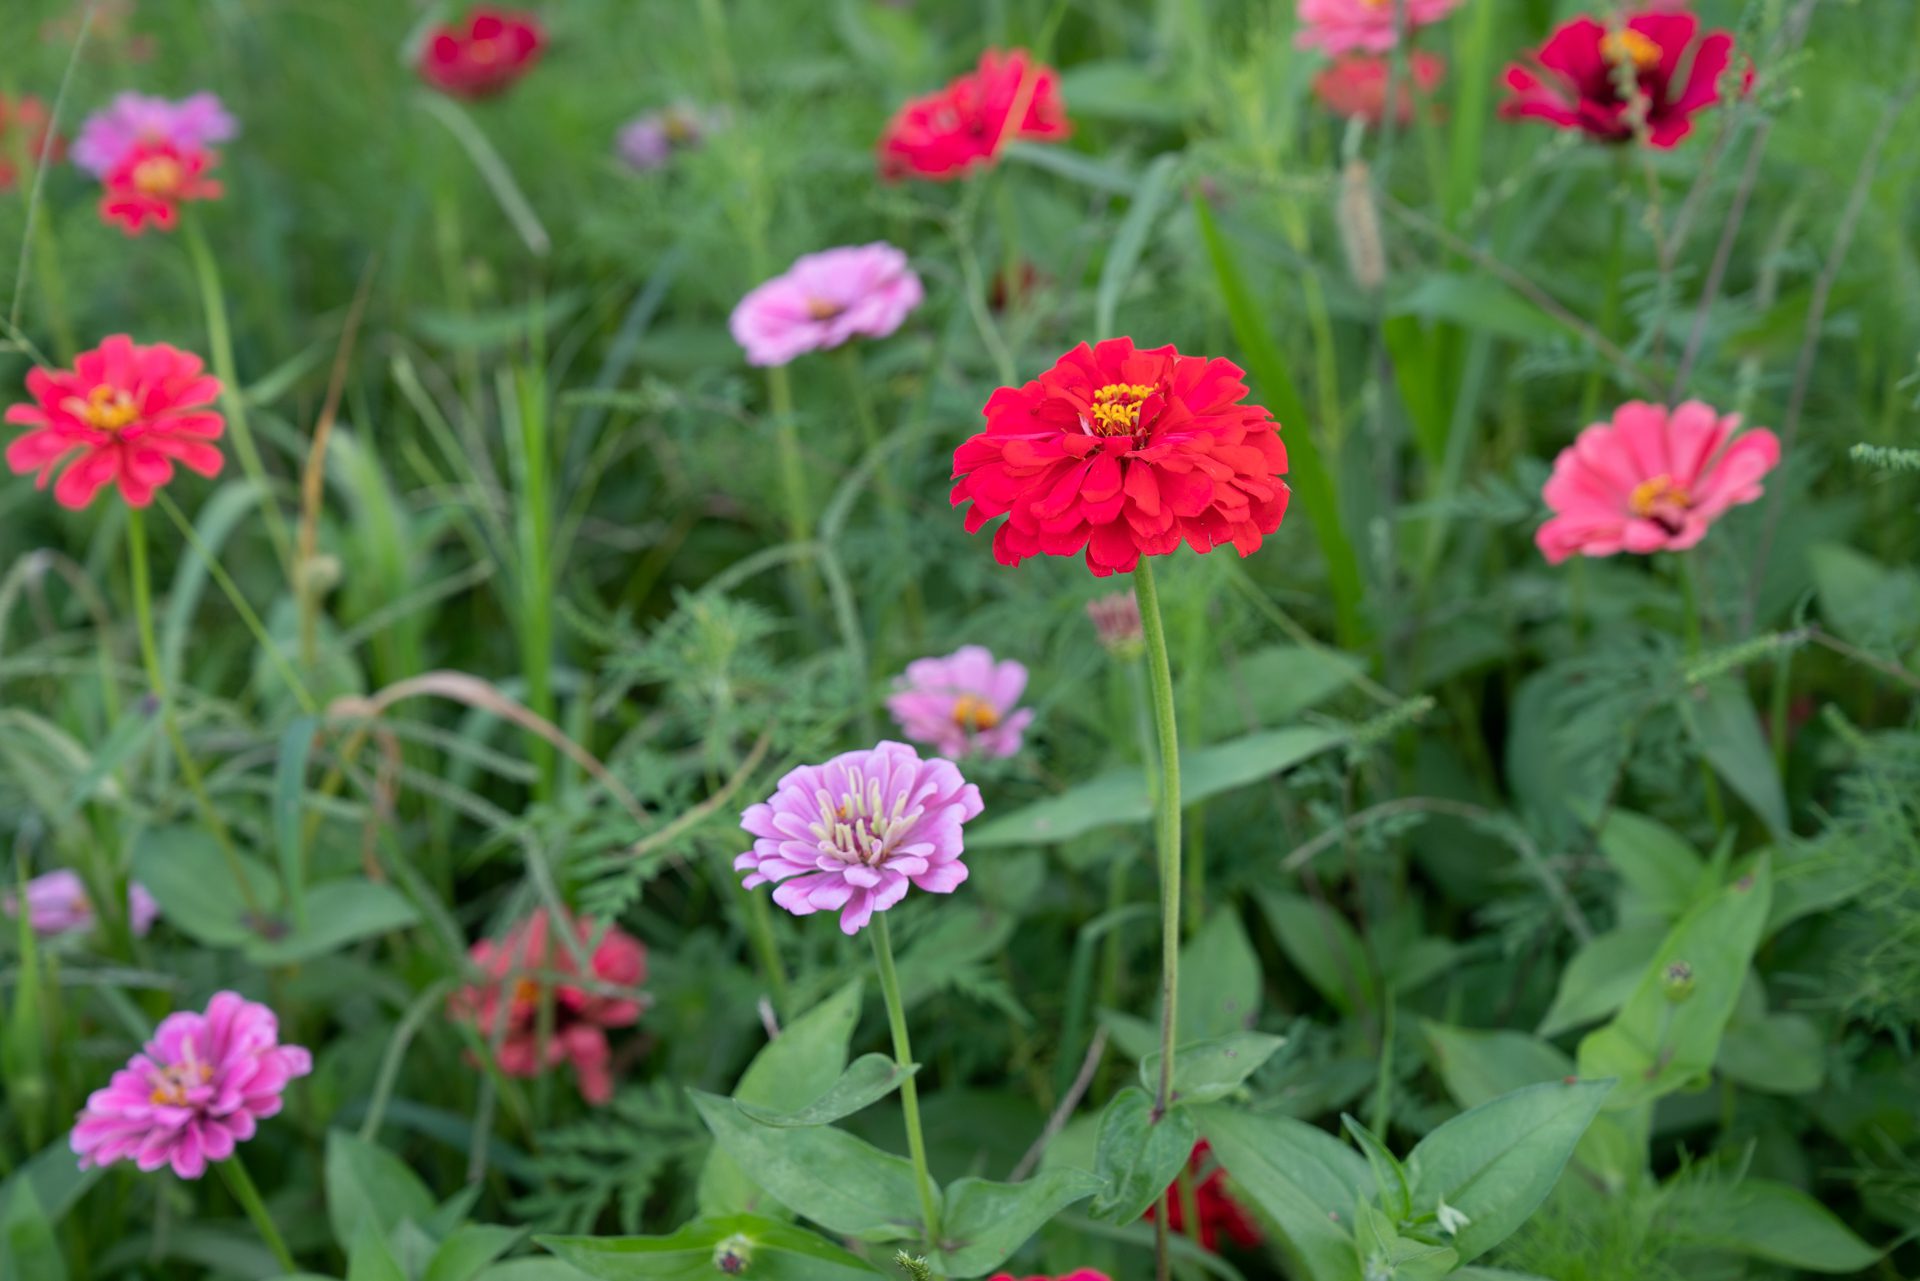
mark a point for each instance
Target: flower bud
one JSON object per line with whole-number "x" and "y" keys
{"x": 733, "y": 1255}
{"x": 1677, "y": 979}
{"x": 1116, "y": 621}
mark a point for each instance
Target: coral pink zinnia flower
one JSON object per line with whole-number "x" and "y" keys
{"x": 1124, "y": 453}
{"x": 1574, "y": 83}
{"x": 1651, "y": 480}
{"x": 57, "y": 904}
{"x": 962, "y": 704}
{"x": 1078, "y": 1274}
{"x": 1339, "y": 26}
{"x": 823, "y": 300}
{"x": 519, "y": 969}
{"x": 202, "y": 1086}
{"x": 152, "y": 181}
{"x": 24, "y": 129}
{"x": 495, "y": 48}
{"x": 125, "y": 415}
{"x": 944, "y": 134}
{"x": 195, "y": 123}
{"x": 1219, "y": 1213}
{"x": 1355, "y": 86}
{"x": 855, "y": 832}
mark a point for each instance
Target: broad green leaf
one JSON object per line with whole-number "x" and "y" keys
{"x": 1875, "y": 607}
{"x": 371, "y": 1258}
{"x": 1123, "y": 90}
{"x": 772, "y": 1249}
{"x": 1273, "y": 685}
{"x": 1812, "y": 876}
{"x": 1601, "y": 976}
{"x": 53, "y": 1178}
{"x": 289, "y": 793}
{"x": 1657, "y": 864}
{"x": 29, "y": 1250}
{"x": 1497, "y": 1162}
{"x": 1389, "y": 1176}
{"x": 1219, "y": 981}
{"x": 1766, "y": 1220}
{"x": 1728, "y": 730}
{"x": 1305, "y": 1180}
{"x": 1775, "y": 1054}
{"x": 1385, "y": 1253}
{"x": 184, "y": 870}
{"x": 338, "y": 913}
{"x": 1204, "y": 1071}
{"x": 1324, "y": 948}
{"x": 982, "y": 1223}
{"x": 844, "y": 1184}
{"x": 368, "y": 1186}
{"x": 869, "y": 1079}
{"x": 1135, "y": 1158}
{"x": 468, "y": 1250}
{"x": 1478, "y": 302}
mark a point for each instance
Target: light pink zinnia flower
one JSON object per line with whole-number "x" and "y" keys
{"x": 855, "y": 832}
{"x": 963, "y": 703}
{"x": 202, "y": 1087}
{"x": 57, "y": 904}
{"x": 825, "y": 299}
{"x": 1651, "y": 480}
{"x": 1338, "y": 26}
{"x": 192, "y": 124}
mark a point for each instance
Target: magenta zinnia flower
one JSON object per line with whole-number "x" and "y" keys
{"x": 852, "y": 834}
{"x": 202, "y": 1086}
{"x": 962, "y": 704}
{"x": 1651, "y": 480}
{"x": 110, "y": 134}
{"x": 57, "y": 904}
{"x": 823, "y": 300}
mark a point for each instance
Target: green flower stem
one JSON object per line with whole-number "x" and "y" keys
{"x": 760, "y": 929}
{"x": 891, "y": 503}
{"x": 1167, "y": 826}
{"x": 240, "y": 1183}
{"x": 793, "y": 475}
{"x": 909, "y": 1095}
{"x": 1690, "y": 594}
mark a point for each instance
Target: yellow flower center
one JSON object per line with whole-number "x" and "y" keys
{"x": 1661, "y": 499}
{"x": 821, "y": 309}
{"x": 1116, "y": 409}
{"x": 160, "y": 176}
{"x": 107, "y": 408}
{"x": 1627, "y": 45}
{"x": 173, "y": 1083}
{"x": 974, "y": 714}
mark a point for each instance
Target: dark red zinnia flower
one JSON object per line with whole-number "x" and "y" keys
{"x": 495, "y": 48}
{"x": 1124, "y": 453}
{"x": 1219, "y": 1213}
{"x": 942, "y": 135}
{"x": 1575, "y": 79}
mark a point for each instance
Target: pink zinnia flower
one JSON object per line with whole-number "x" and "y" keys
{"x": 962, "y": 704}
{"x": 521, "y": 966}
{"x": 1355, "y": 86}
{"x": 152, "y": 181}
{"x": 823, "y": 300}
{"x": 191, "y": 124}
{"x": 854, "y": 833}
{"x": 1338, "y": 26}
{"x": 202, "y": 1086}
{"x": 1651, "y": 480}
{"x": 57, "y": 904}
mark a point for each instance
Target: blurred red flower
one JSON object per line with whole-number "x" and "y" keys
{"x": 521, "y": 967}
{"x": 1078, "y": 1274}
{"x": 943, "y": 135}
{"x": 24, "y": 125}
{"x": 125, "y": 415}
{"x": 1219, "y": 1213}
{"x": 495, "y": 48}
{"x": 1124, "y": 453}
{"x": 152, "y": 181}
{"x": 1355, "y": 85}
{"x": 1576, "y": 79}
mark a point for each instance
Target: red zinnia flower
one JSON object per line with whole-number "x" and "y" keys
{"x": 944, "y": 134}
{"x": 1124, "y": 453}
{"x": 494, "y": 49}
{"x": 1219, "y": 1213}
{"x": 125, "y": 414}
{"x": 24, "y": 125}
{"x": 1355, "y": 85}
{"x": 151, "y": 183}
{"x": 1576, "y": 80}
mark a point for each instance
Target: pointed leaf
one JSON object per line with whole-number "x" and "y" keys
{"x": 870, "y": 1078}
{"x": 774, "y": 1250}
{"x": 1204, "y": 1071}
{"x": 1136, "y": 1158}
{"x": 369, "y": 1186}
{"x": 983, "y": 1223}
{"x": 1307, "y": 1182}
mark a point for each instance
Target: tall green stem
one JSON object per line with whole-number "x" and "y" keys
{"x": 909, "y": 1094}
{"x": 1167, "y": 825}
{"x": 240, "y": 1183}
{"x": 1689, "y": 593}
{"x": 1610, "y": 299}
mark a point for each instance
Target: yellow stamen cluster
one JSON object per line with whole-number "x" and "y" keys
{"x": 158, "y": 176}
{"x": 1661, "y": 496}
{"x": 974, "y": 714}
{"x": 1116, "y": 408}
{"x": 174, "y": 1082}
{"x": 106, "y": 408}
{"x": 1629, "y": 46}
{"x": 821, "y": 309}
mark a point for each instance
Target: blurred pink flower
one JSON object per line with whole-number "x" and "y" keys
{"x": 1116, "y": 621}
{"x": 1651, "y": 480}
{"x": 1355, "y": 85}
{"x": 962, "y": 704}
{"x": 202, "y": 1086}
{"x": 648, "y": 141}
{"x": 192, "y": 125}
{"x": 57, "y": 904}
{"x": 1337, "y": 26}
{"x": 823, "y": 300}
{"x": 855, "y": 832}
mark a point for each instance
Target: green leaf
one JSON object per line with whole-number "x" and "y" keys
{"x": 468, "y": 1250}
{"x": 1601, "y": 976}
{"x": 1656, "y": 863}
{"x": 1122, "y": 90}
{"x": 1123, "y": 254}
{"x": 1497, "y": 1162}
{"x": 289, "y": 792}
{"x": 1478, "y": 302}
{"x": 1766, "y": 1220}
{"x": 1204, "y": 1071}
{"x": 983, "y": 1222}
{"x": 368, "y": 1186}
{"x": 1875, "y": 607}
{"x": 371, "y": 1257}
{"x": 776, "y": 1251}
{"x": 1305, "y": 1180}
{"x": 844, "y": 1184}
{"x": 871, "y": 1078}
{"x": 1324, "y": 948}
{"x": 1777, "y": 1054}
{"x": 28, "y": 1249}
{"x": 185, "y": 871}
{"x": 1135, "y": 1158}
{"x": 1385, "y": 1253}
{"x": 1273, "y": 685}
{"x": 1389, "y": 1176}
{"x": 1219, "y": 981}
{"x": 339, "y": 913}
{"x": 1729, "y": 734}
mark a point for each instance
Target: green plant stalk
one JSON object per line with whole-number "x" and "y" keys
{"x": 240, "y": 1183}
{"x": 760, "y": 930}
{"x": 1167, "y": 822}
{"x": 891, "y": 504}
{"x": 534, "y": 532}
{"x": 53, "y": 291}
{"x": 1610, "y": 299}
{"x": 793, "y": 474}
{"x": 150, "y": 656}
{"x": 1690, "y": 595}
{"x": 909, "y": 1093}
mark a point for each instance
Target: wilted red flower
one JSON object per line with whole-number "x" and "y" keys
{"x": 1575, "y": 82}
{"x": 495, "y": 48}
{"x": 1124, "y": 453}
{"x": 1219, "y": 1213}
{"x": 152, "y": 181}
{"x": 125, "y": 414}
{"x": 1355, "y": 85}
{"x": 24, "y": 124}
{"x": 943, "y": 135}
{"x": 520, "y": 967}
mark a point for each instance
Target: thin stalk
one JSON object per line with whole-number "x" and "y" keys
{"x": 793, "y": 475}
{"x": 240, "y": 1183}
{"x": 891, "y": 504}
{"x": 760, "y": 930}
{"x": 1610, "y": 298}
{"x": 909, "y": 1094}
{"x": 1167, "y": 826}
{"x": 1689, "y": 594}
